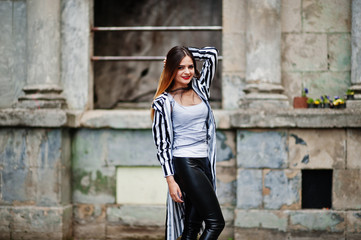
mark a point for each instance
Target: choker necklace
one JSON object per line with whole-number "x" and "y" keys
{"x": 185, "y": 88}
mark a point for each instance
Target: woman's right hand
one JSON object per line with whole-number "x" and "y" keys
{"x": 174, "y": 189}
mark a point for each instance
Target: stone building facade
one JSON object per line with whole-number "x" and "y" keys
{"x": 69, "y": 171}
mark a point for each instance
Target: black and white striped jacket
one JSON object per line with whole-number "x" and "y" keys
{"x": 163, "y": 133}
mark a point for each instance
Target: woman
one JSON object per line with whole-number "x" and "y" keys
{"x": 184, "y": 134}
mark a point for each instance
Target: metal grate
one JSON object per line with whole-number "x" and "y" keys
{"x": 147, "y": 28}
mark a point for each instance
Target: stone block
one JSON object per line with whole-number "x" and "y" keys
{"x": 292, "y": 83}
{"x": 94, "y": 185}
{"x": 259, "y": 234}
{"x": 339, "y": 47}
{"x": 234, "y": 52}
{"x": 353, "y": 224}
{"x": 121, "y": 232}
{"x": 317, "y": 235}
{"x": 226, "y": 192}
{"x": 96, "y": 148}
{"x": 266, "y": 149}
{"x": 24, "y": 148}
{"x": 261, "y": 219}
{"x": 93, "y": 231}
{"x": 304, "y": 52}
{"x": 346, "y": 193}
{"x": 317, "y": 149}
{"x": 141, "y": 185}
{"x": 140, "y": 215}
{"x": 249, "y": 189}
{"x": 327, "y": 83}
{"x": 353, "y": 149}
{"x": 89, "y": 221}
{"x": 234, "y": 15}
{"x": 317, "y": 220}
{"x": 326, "y": 16}
{"x": 291, "y": 17}
{"x": 282, "y": 189}
{"x": 75, "y": 32}
{"x": 39, "y": 223}
{"x": 232, "y": 88}
{"x": 18, "y": 186}
{"x": 5, "y": 222}
{"x": 226, "y": 146}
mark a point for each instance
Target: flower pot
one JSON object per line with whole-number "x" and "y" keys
{"x": 350, "y": 97}
{"x": 311, "y": 105}
{"x": 326, "y": 105}
{"x": 300, "y": 102}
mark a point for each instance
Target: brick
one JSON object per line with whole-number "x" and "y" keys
{"x": 249, "y": 188}
{"x": 261, "y": 219}
{"x": 346, "y": 193}
{"x": 266, "y": 149}
{"x": 353, "y": 149}
{"x": 339, "y": 52}
{"x": 326, "y": 16}
{"x": 304, "y": 52}
{"x": 317, "y": 149}
{"x": 317, "y": 220}
{"x": 291, "y": 16}
{"x": 282, "y": 189}
{"x": 226, "y": 192}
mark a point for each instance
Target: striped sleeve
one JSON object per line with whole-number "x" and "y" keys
{"x": 210, "y": 57}
{"x": 163, "y": 143}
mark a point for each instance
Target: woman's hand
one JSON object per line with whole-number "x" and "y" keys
{"x": 174, "y": 189}
{"x": 164, "y": 62}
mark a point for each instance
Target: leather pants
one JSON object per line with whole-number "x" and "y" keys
{"x": 194, "y": 177}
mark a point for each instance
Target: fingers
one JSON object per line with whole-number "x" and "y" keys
{"x": 164, "y": 62}
{"x": 176, "y": 194}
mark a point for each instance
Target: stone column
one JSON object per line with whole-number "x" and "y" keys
{"x": 234, "y": 53}
{"x": 263, "y": 59}
{"x": 42, "y": 89}
{"x": 356, "y": 54}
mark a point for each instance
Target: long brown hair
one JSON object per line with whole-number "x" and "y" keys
{"x": 166, "y": 81}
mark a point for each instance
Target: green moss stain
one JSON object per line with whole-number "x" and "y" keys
{"x": 93, "y": 182}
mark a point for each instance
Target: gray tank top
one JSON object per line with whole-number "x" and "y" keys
{"x": 189, "y": 130}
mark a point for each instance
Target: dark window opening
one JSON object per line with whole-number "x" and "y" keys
{"x": 132, "y": 84}
{"x": 317, "y": 189}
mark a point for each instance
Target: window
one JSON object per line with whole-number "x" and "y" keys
{"x": 129, "y": 82}
{"x": 317, "y": 189}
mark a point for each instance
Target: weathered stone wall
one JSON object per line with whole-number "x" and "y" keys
{"x": 261, "y": 152}
{"x": 316, "y": 47}
{"x": 35, "y": 190}
{"x": 96, "y": 156}
{"x": 270, "y": 164}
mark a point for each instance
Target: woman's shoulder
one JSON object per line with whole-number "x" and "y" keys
{"x": 160, "y": 100}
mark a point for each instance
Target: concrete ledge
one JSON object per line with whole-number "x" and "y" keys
{"x": 225, "y": 119}
{"x": 33, "y": 117}
{"x": 296, "y": 118}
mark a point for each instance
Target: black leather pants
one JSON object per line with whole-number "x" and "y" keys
{"x": 194, "y": 177}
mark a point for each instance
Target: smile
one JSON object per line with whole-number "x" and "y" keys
{"x": 186, "y": 78}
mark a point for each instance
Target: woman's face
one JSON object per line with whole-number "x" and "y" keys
{"x": 185, "y": 73}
